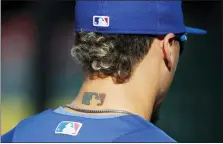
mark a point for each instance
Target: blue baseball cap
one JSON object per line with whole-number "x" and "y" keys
{"x": 132, "y": 17}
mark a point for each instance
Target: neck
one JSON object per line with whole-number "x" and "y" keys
{"x": 137, "y": 96}
{"x": 102, "y": 94}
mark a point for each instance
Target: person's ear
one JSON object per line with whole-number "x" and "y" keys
{"x": 166, "y": 45}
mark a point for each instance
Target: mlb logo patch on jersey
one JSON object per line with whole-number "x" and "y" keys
{"x": 101, "y": 21}
{"x": 68, "y": 128}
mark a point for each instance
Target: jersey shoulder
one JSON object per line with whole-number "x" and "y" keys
{"x": 145, "y": 135}
{"x": 9, "y": 136}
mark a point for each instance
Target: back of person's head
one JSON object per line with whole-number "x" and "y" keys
{"x": 114, "y": 55}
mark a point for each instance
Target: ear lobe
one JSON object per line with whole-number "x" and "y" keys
{"x": 167, "y": 50}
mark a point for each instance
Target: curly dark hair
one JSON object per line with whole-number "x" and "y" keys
{"x": 114, "y": 55}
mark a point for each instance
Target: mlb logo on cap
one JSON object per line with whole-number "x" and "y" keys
{"x": 101, "y": 21}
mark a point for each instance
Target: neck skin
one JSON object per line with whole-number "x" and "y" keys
{"x": 136, "y": 96}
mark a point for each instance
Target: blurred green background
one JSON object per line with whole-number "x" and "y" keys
{"x": 38, "y": 72}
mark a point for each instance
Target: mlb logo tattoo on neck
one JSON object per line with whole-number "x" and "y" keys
{"x": 101, "y": 21}
{"x": 90, "y": 97}
{"x": 68, "y": 128}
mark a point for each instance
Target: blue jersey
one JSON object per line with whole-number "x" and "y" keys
{"x": 62, "y": 126}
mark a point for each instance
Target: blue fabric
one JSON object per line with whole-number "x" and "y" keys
{"x": 132, "y": 17}
{"x": 7, "y": 138}
{"x": 125, "y": 128}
